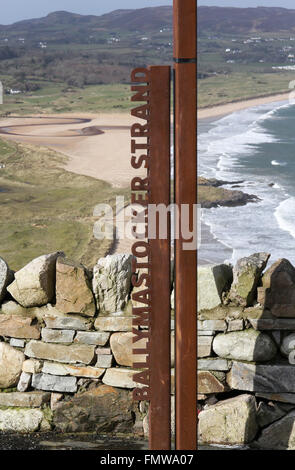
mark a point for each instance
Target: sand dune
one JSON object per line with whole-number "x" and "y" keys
{"x": 98, "y": 145}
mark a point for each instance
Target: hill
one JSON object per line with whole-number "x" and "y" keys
{"x": 245, "y": 20}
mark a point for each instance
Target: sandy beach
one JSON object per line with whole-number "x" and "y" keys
{"x": 221, "y": 110}
{"x": 98, "y": 145}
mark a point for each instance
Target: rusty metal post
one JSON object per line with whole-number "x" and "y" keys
{"x": 185, "y": 32}
{"x": 159, "y": 193}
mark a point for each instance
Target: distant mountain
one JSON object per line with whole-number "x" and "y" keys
{"x": 144, "y": 19}
{"x": 245, "y": 20}
{"x": 63, "y": 25}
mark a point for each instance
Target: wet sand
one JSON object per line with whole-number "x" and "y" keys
{"x": 221, "y": 110}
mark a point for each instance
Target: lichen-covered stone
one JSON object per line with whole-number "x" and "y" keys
{"x": 20, "y": 420}
{"x": 34, "y": 285}
{"x": 112, "y": 282}
{"x": 73, "y": 288}
{"x": 208, "y": 383}
{"x": 57, "y": 336}
{"x": 247, "y": 345}
{"x": 11, "y": 361}
{"x": 54, "y": 368}
{"x": 277, "y": 293}
{"x": 246, "y": 275}
{"x": 72, "y": 354}
{"x": 67, "y": 322}
{"x": 103, "y": 409}
{"x": 54, "y": 383}
{"x": 231, "y": 421}
{"x": 213, "y": 280}
{"x": 24, "y": 400}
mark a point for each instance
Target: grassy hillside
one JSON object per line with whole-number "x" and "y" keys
{"x": 44, "y": 208}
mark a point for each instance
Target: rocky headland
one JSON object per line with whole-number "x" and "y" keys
{"x": 212, "y": 194}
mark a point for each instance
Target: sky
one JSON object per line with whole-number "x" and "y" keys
{"x": 16, "y": 10}
{"x": 248, "y": 3}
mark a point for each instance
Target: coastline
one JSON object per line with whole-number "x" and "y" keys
{"x": 209, "y": 243}
{"x": 229, "y": 108}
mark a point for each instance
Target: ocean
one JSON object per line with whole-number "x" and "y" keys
{"x": 255, "y": 146}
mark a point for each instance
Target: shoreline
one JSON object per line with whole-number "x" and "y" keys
{"x": 217, "y": 111}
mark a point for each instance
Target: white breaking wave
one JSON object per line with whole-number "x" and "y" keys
{"x": 263, "y": 226}
{"x": 285, "y": 215}
{"x": 276, "y": 163}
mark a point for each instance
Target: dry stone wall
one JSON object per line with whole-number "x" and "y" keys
{"x": 66, "y": 350}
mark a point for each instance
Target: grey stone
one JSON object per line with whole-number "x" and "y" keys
{"x": 55, "y": 368}
{"x": 265, "y": 378}
{"x": 213, "y": 364}
{"x": 75, "y": 353}
{"x": 24, "y": 400}
{"x": 20, "y": 420}
{"x": 92, "y": 337}
{"x": 235, "y": 325}
{"x": 281, "y": 397}
{"x": 103, "y": 351}
{"x": 273, "y": 324}
{"x": 34, "y": 285}
{"x": 17, "y": 343}
{"x": 112, "y": 282}
{"x": 246, "y": 276}
{"x": 267, "y": 413}
{"x": 288, "y": 346}
{"x": 57, "y": 336}
{"x": 206, "y": 333}
{"x": 11, "y": 361}
{"x": 24, "y": 382}
{"x": 277, "y": 293}
{"x": 204, "y": 346}
{"x": 213, "y": 280}
{"x": 54, "y": 383}
{"x": 215, "y": 325}
{"x": 231, "y": 421}
{"x": 104, "y": 360}
{"x": 280, "y": 435}
{"x": 6, "y": 276}
{"x": 247, "y": 345}
{"x": 88, "y": 372}
{"x": 113, "y": 323}
{"x": 67, "y": 322}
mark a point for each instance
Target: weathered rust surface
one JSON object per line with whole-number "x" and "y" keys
{"x": 185, "y": 193}
{"x": 185, "y": 36}
{"x": 159, "y": 176}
